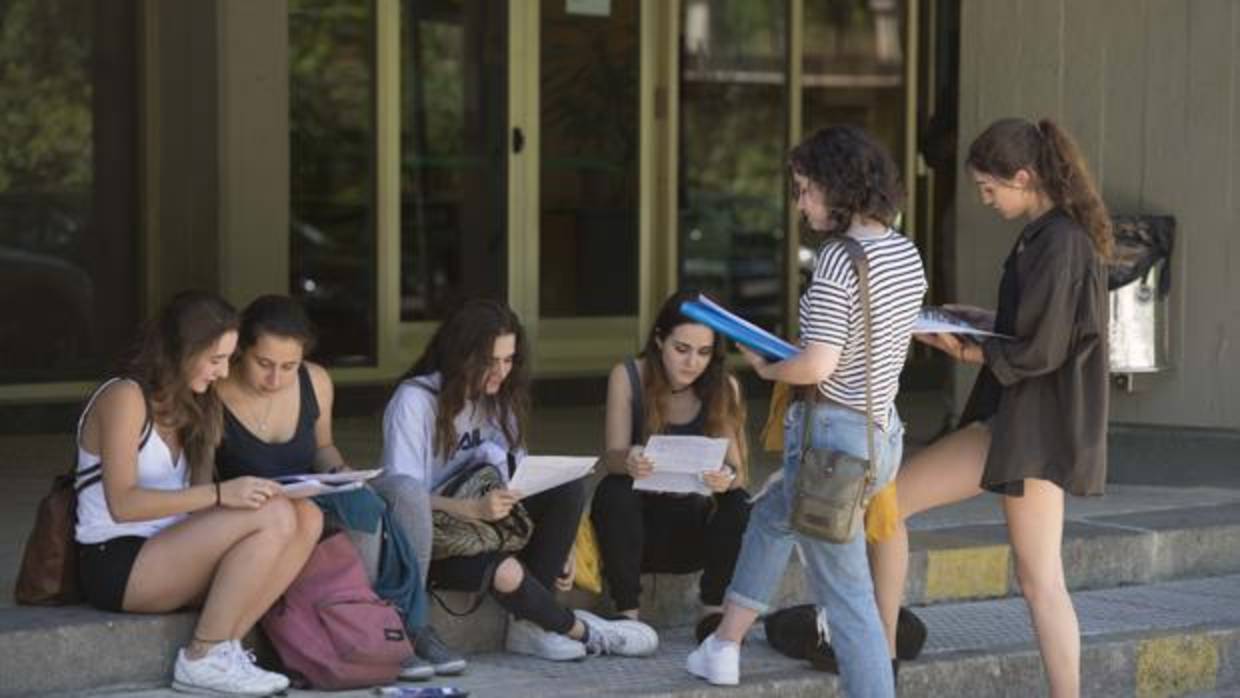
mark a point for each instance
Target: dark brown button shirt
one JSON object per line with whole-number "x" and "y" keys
{"x": 1046, "y": 391}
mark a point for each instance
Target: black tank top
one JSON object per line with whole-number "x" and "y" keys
{"x": 242, "y": 453}
{"x": 691, "y": 428}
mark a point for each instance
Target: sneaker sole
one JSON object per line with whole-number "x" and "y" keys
{"x": 453, "y": 668}
{"x": 204, "y": 691}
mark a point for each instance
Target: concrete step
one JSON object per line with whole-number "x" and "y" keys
{"x": 966, "y": 561}
{"x": 964, "y": 557}
{"x": 1169, "y": 639}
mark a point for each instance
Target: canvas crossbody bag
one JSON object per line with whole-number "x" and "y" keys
{"x": 830, "y": 493}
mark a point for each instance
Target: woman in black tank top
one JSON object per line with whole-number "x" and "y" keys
{"x": 277, "y": 421}
{"x": 677, "y": 385}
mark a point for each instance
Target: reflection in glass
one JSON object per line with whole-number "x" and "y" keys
{"x": 68, "y": 252}
{"x": 733, "y": 97}
{"x": 454, "y": 115}
{"x": 589, "y": 184}
{"x": 331, "y": 182}
{"x": 854, "y": 67}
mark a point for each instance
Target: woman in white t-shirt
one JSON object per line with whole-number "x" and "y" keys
{"x": 465, "y": 402}
{"x": 154, "y": 532}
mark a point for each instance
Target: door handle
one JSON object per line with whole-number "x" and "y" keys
{"x": 518, "y": 140}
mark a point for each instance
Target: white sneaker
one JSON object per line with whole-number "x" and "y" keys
{"x": 625, "y": 637}
{"x": 717, "y": 661}
{"x": 219, "y": 672}
{"x": 249, "y": 663}
{"x": 526, "y": 638}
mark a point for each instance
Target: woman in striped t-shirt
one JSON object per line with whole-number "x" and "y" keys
{"x": 845, "y": 183}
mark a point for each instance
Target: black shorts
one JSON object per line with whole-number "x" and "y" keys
{"x": 103, "y": 570}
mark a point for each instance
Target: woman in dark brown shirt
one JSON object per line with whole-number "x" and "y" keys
{"x": 1035, "y": 424}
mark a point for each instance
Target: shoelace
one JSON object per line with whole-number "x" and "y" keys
{"x": 248, "y": 661}
{"x": 601, "y": 642}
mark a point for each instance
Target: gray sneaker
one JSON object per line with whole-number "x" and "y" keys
{"x": 443, "y": 659}
{"x": 416, "y": 669}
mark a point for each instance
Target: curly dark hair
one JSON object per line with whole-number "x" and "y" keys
{"x": 857, "y": 175}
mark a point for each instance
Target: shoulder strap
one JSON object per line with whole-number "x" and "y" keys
{"x": 862, "y": 265}
{"x": 636, "y": 400}
{"x": 94, "y": 473}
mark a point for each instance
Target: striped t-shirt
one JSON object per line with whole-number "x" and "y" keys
{"x": 830, "y": 313}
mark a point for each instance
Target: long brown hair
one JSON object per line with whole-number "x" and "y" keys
{"x": 1051, "y": 155}
{"x": 187, "y": 326}
{"x": 723, "y": 406}
{"x": 460, "y": 351}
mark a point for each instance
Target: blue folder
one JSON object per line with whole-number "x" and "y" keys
{"x": 737, "y": 329}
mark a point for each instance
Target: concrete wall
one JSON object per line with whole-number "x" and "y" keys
{"x": 1151, "y": 91}
{"x": 215, "y": 147}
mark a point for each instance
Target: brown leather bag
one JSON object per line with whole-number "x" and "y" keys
{"x": 832, "y": 488}
{"x": 48, "y": 575}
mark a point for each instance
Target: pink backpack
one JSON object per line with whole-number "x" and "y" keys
{"x": 331, "y": 628}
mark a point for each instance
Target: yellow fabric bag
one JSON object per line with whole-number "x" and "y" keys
{"x": 588, "y": 573}
{"x": 883, "y": 513}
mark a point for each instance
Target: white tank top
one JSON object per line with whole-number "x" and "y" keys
{"x": 156, "y": 471}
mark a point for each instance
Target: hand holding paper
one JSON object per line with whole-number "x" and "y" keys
{"x": 679, "y": 462}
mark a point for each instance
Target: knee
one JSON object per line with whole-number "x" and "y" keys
{"x": 612, "y": 492}
{"x": 309, "y": 519}
{"x": 1039, "y": 583}
{"x": 279, "y": 517}
{"x": 508, "y": 576}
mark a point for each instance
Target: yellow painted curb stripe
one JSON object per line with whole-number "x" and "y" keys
{"x": 967, "y": 573}
{"x": 1176, "y": 665}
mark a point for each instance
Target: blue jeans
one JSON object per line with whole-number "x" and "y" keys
{"x": 839, "y": 574}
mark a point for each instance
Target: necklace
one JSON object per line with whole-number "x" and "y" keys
{"x": 677, "y": 391}
{"x": 262, "y": 423}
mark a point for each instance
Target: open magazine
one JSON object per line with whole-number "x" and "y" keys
{"x": 736, "y": 328}
{"x": 936, "y": 320}
{"x": 313, "y": 484}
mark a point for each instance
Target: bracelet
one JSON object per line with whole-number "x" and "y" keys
{"x": 217, "y": 493}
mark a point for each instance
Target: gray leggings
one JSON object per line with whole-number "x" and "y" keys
{"x": 410, "y": 504}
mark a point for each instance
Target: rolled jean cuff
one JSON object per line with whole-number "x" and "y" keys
{"x": 746, "y": 602}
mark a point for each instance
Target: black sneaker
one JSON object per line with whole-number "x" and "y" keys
{"x": 445, "y": 660}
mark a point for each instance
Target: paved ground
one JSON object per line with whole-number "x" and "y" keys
{"x": 991, "y": 627}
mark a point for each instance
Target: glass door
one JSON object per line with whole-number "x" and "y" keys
{"x": 453, "y": 143}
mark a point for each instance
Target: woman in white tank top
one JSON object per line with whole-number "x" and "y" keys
{"x": 155, "y": 533}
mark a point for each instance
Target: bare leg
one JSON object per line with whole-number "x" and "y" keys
{"x": 289, "y": 563}
{"x": 229, "y": 553}
{"x": 1035, "y": 527}
{"x": 945, "y": 472}
{"x": 737, "y": 620}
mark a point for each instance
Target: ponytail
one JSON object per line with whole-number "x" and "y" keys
{"x": 1011, "y": 144}
{"x": 1066, "y": 180}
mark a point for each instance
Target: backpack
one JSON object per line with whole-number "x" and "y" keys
{"x": 49, "y": 571}
{"x": 331, "y": 629}
{"x": 455, "y": 537}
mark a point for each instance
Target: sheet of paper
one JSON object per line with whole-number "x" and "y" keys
{"x": 679, "y": 462}
{"x": 312, "y": 488}
{"x": 933, "y": 320}
{"x": 540, "y": 473}
{"x": 330, "y": 478}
